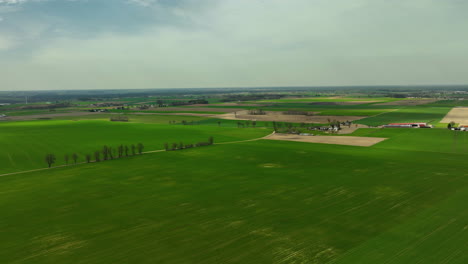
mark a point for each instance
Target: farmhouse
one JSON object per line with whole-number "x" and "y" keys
{"x": 408, "y": 125}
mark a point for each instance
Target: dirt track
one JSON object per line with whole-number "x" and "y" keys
{"x": 457, "y": 115}
{"x": 337, "y": 140}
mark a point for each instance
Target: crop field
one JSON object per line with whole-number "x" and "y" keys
{"x": 24, "y": 144}
{"x": 253, "y": 202}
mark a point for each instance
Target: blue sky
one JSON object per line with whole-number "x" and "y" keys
{"x": 123, "y": 44}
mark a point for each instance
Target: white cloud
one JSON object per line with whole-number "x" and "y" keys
{"x": 145, "y": 3}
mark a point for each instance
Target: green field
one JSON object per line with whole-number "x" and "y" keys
{"x": 408, "y": 114}
{"x": 242, "y": 200}
{"x": 24, "y": 144}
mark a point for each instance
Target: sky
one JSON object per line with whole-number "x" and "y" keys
{"x": 125, "y": 44}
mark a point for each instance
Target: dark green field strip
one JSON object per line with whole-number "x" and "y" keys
{"x": 449, "y": 103}
{"x": 256, "y": 202}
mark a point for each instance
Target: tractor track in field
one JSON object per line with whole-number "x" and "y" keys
{"x": 146, "y": 152}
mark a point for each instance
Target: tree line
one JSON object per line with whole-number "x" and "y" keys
{"x": 181, "y": 145}
{"x": 105, "y": 153}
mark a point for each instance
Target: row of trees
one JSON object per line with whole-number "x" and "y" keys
{"x": 181, "y": 145}
{"x": 106, "y": 153}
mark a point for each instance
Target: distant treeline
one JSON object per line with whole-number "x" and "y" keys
{"x": 181, "y": 145}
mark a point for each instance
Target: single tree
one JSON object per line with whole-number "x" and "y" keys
{"x": 110, "y": 152}
{"x": 219, "y": 123}
{"x": 126, "y": 150}
{"x": 105, "y": 152}
{"x": 174, "y": 146}
{"x": 254, "y": 123}
{"x": 450, "y": 125}
{"x": 67, "y": 158}
{"x": 121, "y": 150}
{"x": 50, "y": 159}
{"x": 97, "y": 156}
{"x": 133, "y": 149}
{"x": 75, "y": 157}
{"x": 88, "y": 158}
{"x": 211, "y": 140}
{"x": 140, "y": 148}
{"x": 166, "y": 146}
{"x": 181, "y": 145}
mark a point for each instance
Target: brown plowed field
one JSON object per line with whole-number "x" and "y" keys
{"x": 336, "y": 140}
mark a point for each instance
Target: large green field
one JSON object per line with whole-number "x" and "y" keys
{"x": 400, "y": 201}
{"x": 25, "y": 144}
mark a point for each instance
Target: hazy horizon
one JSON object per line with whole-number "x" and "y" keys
{"x": 163, "y": 44}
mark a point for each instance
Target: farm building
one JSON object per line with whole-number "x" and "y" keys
{"x": 409, "y": 125}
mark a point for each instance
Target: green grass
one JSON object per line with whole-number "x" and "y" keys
{"x": 255, "y": 202}
{"x": 408, "y": 114}
{"x": 24, "y": 144}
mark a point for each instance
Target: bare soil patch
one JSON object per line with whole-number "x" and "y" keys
{"x": 410, "y": 102}
{"x": 351, "y": 129}
{"x": 457, "y": 115}
{"x": 280, "y": 117}
{"x": 336, "y": 140}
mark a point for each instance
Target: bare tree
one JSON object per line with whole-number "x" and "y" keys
{"x": 50, "y": 159}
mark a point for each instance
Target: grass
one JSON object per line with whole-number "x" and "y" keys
{"x": 255, "y": 202}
